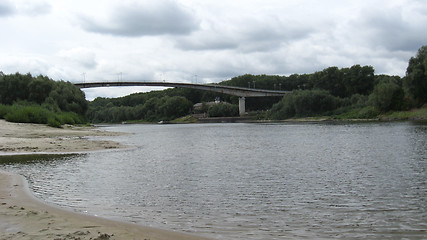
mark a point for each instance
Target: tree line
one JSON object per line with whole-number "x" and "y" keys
{"x": 25, "y": 98}
{"x": 353, "y": 92}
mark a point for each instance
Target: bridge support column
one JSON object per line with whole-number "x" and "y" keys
{"x": 242, "y": 109}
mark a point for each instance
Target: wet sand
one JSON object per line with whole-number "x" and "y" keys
{"x": 23, "y": 216}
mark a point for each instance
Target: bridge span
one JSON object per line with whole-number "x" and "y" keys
{"x": 241, "y": 92}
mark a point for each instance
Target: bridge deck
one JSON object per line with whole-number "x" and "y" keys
{"x": 235, "y": 91}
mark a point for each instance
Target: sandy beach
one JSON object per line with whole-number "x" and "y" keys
{"x": 18, "y": 138}
{"x": 22, "y": 216}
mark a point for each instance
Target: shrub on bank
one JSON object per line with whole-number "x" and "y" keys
{"x": 303, "y": 103}
{"x": 4, "y": 109}
{"x": 367, "y": 112}
{"x": 223, "y": 110}
{"x": 28, "y": 114}
{"x": 38, "y": 114}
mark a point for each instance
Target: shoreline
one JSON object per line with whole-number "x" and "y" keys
{"x": 25, "y": 138}
{"x": 23, "y": 216}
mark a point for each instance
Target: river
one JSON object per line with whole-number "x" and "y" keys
{"x": 250, "y": 181}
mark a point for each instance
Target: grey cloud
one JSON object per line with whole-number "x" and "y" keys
{"x": 207, "y": 41}
{"x": 253, "y": 36}
{"x": 6, "y": 8}
{"x": 267, "y": 38}
{"x": 165, "y": 17}
{"x": 390, "y": 30}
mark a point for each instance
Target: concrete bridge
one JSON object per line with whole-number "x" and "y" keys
{"x": 241, "y": 92}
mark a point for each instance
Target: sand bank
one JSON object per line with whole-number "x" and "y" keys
{"x": 22, "y": 216}
{"x": 37, "y": 138}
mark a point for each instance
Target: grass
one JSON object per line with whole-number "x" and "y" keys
{"x": 38, "y": 114}
{"x": 367, "y": 112}
{"x": 414, "y": 114}
{"x": 185, "y": 119}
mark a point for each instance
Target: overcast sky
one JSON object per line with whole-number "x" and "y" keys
{"x": 205, "y": 40}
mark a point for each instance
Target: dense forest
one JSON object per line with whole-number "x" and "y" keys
{"x": 353, "y": 92}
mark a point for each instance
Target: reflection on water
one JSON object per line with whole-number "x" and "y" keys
{"x": 251, "y": 181}
{"x": 32, "y": 158}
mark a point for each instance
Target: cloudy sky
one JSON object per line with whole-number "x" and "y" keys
{"x": 205, "y": 40}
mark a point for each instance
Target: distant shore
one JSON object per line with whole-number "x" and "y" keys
{"x": 22, "y": 216}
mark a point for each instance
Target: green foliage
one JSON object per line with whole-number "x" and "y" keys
{"x": 420, "y": 114}
{"x": 14, "y": 87}
{"x": 367, "y": 112}
{"x": 174, "y": 107}
{"x": 28, "y": 114}
{"x": 41, "y": 95}
{"x": 4, "y": 109}
{"x": 53, "y": 122}
{"x": 68, "y": 97}
{"x": 69, "y": 118}
{"x": 387, "y": 96}
{"x": 223, "y": 110}
{"x": 39, "y": 89}
{"x": 302, "y": 103}
{"x": 25, "y": 112}
{"x": 415, "y": 82}
{"x": 151, "y": 108}
{"x": 339, "y": 82}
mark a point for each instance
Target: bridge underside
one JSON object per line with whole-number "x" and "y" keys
{"x": 242, "y": 93}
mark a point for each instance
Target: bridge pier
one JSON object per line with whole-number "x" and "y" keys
{"x": 242, "y": 103}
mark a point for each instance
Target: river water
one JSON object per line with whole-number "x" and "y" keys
{"x": 249, "y": 181}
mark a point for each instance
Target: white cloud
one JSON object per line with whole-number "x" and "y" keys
{"x": 24, "y": 7}
{"x": 213, "y": 39}
{"x": 33, "y": 7}
{"x": 81, "y": 57}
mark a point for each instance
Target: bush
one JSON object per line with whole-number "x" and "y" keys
{"x": 304, "y": 103}
{"x": 387, "y": 96}
{"x": 4, "y": 109}
{"x": 28, "y": 114}
{"x": 223, "y": 110}
{"x": 38, "y": 114}
{"x": 53, "y": 122}
{"x": 69, "y": 118}
{"x": 368, "y": 112}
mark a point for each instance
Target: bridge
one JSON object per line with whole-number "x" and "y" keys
{"x": 241, "y": 92}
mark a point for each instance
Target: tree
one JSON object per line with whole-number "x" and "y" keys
{"x": 359, "y": 80}
{"x": 304, "y": 103}
{"x": 223, "y": 110}
{"x": 69, "y": 98}
{"x": 387, "y": 96}
{"x": 415, "y": 81}
{"x": 174, "y": 107}
{"x": 330, "y": 79}
{"x": 14, "y": 87}
{"x": 40, "y": 88}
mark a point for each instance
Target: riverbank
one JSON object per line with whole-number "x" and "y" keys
{"x": 24, "y": 138}
{"x": 22, "y": 216}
